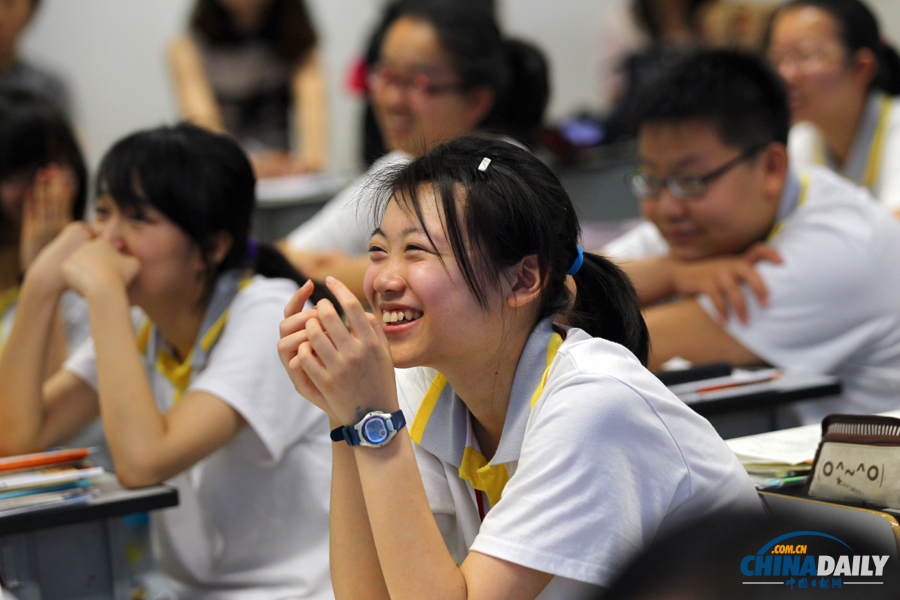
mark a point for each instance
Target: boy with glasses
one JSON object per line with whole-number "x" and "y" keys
{"x": 800, "y": 270}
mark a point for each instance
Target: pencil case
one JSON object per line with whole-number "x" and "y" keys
{"x": 858, "y": 460}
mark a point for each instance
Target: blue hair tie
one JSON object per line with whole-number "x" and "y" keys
{"x": 252, "y": 248}
{"x": 578, "y": 261}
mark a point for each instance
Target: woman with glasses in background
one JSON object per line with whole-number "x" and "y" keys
{"x": 443, "y": 71}
{"x": 843, "y": 80}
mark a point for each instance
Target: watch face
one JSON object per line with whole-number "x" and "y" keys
{"x": 374, "y": 430}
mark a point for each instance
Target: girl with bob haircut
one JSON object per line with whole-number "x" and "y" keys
{"x": 195, "y": 394}
{"x": 843, "y": 80}
{"x": 508, "y": 457}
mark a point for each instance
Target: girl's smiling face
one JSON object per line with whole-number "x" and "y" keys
{"x": 171, "y": 263}
{"x": 807, "y": 50}
{"x": 416, "y": 93}
{"x": 415, "y": 285}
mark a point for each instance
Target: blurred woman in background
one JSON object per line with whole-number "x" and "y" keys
{"x": 250, "y": 68}
{"x": 842, "y": 79}
{"x": 443, "y": 70}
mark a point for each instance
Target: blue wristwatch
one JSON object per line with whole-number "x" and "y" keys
{"x": 374, "y": 430}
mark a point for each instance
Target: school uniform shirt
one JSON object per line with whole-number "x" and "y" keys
{"x": 346, "y": 221}
{"x": 596, "y": 457}
{"x": 874, "y": 158}
{"x": 833, "y": 302}
{"x": 252, "y": 519}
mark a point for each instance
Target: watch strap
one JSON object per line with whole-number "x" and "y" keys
{"x": 345, "y": 434}
{"x": 398, "y": 419}
{"x": 349, "y": 434}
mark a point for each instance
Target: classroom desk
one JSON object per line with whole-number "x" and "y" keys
{"x": 75, "y": 552}
{"x": 283, "y": 203}
{"x": 596, "y": 186}
{"x": 750, "y": 409}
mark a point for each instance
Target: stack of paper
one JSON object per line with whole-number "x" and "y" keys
{"x": 35, "y": 481}
{"x": 778, "y": 453}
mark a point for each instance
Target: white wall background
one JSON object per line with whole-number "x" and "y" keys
{"x": 112, "y": 52}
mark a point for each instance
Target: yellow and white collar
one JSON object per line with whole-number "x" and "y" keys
{"x": 442, "y": 423}
{"x": 158, "y": 354}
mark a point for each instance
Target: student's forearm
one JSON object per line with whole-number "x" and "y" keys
{"x": 132, "y": 422}
{"x": 22, "y": 370}
{"x": 194, "y": 92}
{"x": 57, "y": 347}
{"x": 310, "y": 114}
{"x": 651, "y": 277}
{"x": 355, "y": 569}
{"x": 414, "y": 559}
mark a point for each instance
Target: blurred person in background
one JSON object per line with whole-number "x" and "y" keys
{"x": 444, "y": 70}
{"x": 843, "y": 79}
{"x": 15, "y": 15}
{"x": 251, "y": 68}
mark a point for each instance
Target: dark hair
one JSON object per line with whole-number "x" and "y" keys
{"x": 35, "y": 133}
{"x": 516, "y": 208}
{"x": 287, "y": 26}
{"x": 645, "y": 14}
{"x": 516, "y": 71}
{"x": 202, "y": 182}
{"x": 736, "y": 93}
{"x": 858, "y": 29}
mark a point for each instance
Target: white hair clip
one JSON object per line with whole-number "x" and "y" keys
{"x": 485, "y": 163}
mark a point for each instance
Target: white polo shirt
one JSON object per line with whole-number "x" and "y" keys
{"x": 874, "y": 158}
{"x": 252, "y": 519}
{"x": 595, "y": 464}
{"x": 346, "y": 221}
{"x": 834, "y": 302}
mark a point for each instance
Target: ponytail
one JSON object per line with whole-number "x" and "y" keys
{"x": 519, "y": 108}
{"x": 888, "y": 78}
{"x": 607, "y": 306}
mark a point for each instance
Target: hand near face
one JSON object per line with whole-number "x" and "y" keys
{"x": 722, "y": 279}
{"x": 347, "y": 372}
{"x": 46, "y": 210}
{"x": 96, "y": 266}
{"x": 46, "y": 269}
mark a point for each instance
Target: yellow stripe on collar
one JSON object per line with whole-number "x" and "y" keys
{"x": 873, "y": 165}
{"x": 143, "y": 338}
{"x": 552, "y": 348}
{"x": 7, "y": 301}
{"x": 804, "y": 189}
{"x": 417, "y": 429}
{"x": 475, "y": 468}
{"x": 179, "y": 372}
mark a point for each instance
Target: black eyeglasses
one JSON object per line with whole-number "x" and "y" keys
{"x": 645, "y": 187}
